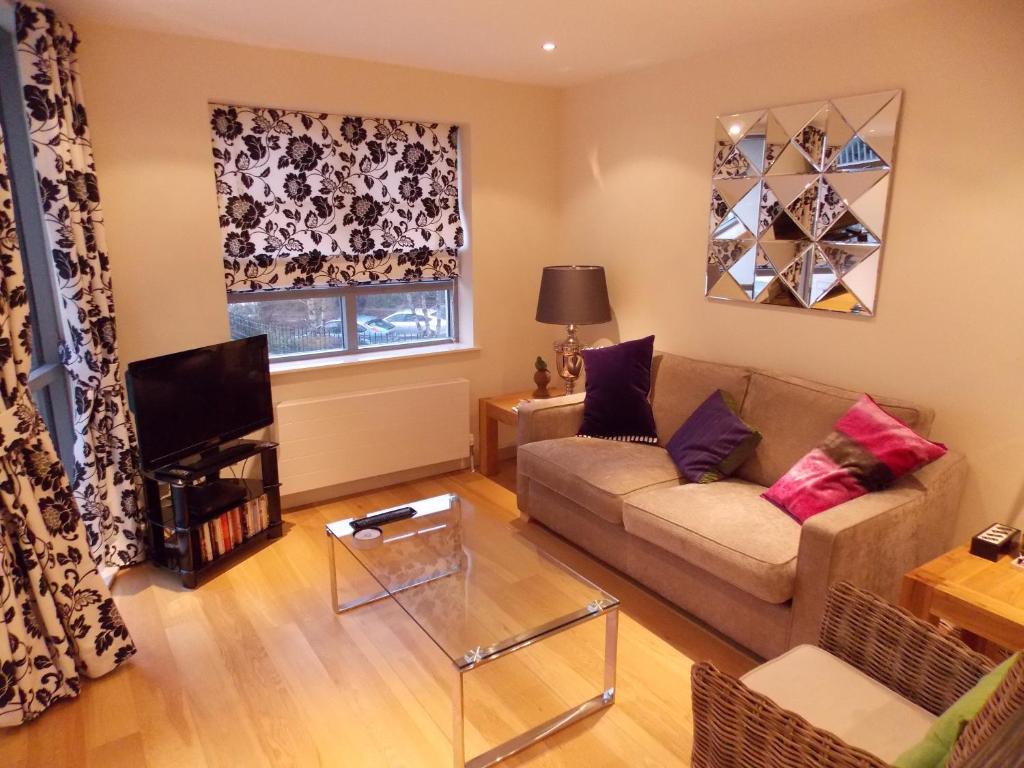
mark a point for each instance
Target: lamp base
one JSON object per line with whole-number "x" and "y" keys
{"x": 568, "y": 358}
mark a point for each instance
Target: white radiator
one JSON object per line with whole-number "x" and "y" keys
{"x": 357, "y": 435}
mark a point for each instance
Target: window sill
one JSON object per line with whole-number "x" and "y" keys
{"x": 366, "y": 358}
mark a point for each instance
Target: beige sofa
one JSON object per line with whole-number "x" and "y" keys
{"x": 720, "y": 551}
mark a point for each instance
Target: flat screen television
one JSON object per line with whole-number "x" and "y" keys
{"x": 188, "y": 402}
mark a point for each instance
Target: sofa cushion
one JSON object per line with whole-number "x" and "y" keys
{"x": 680, "y": 384}
{"x": 794, "y": 415}
{"x": 867, "y": 451}
{"x": 726, "y": 528}
{"x": 618, "y": 386}
{"x": 836, "y": 697}
{"x": 596, "y": 474}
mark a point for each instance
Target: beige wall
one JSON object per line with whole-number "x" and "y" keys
{"x": 147, "y": 97}
{"x": 635, "y": 183}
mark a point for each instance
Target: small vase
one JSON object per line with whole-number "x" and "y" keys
{"x": 541, "y": 379}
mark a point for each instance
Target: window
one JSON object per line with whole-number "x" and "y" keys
{"x": 47, "y": 380}
{"x": 332, "y": 321}
{"x": 340, "y": 233}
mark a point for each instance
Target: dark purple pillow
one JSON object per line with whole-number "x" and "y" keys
{"x": 618, "y": 383}
{"x": 713, "y": 442}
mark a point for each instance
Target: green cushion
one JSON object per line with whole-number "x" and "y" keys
{"x": 933, "y": 750}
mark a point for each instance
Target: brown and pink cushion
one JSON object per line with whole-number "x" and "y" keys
{"x": 867, "y": 451}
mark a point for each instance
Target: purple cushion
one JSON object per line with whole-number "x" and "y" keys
{"x": 713, "y": 442}
{"x": 618, "y": 383}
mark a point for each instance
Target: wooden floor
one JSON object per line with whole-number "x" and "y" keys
{"x": 254, "y": 669}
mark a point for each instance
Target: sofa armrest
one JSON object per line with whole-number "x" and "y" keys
{"x": 873, "y": 540}
{"x": 735, "y": 727}
{"x": 549, "y": 418}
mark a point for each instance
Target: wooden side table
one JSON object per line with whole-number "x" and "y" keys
{"x": 975, "y": 594}
{"x": 494, "y": 411}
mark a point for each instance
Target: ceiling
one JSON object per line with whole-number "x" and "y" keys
{"x": 498, "y": 39}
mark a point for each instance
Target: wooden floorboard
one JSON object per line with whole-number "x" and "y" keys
{"x": 254, "y": 669}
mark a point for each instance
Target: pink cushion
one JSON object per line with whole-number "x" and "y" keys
{"x": 867, "y": 451}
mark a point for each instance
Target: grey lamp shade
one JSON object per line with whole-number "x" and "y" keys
{"x": 575, "y": 295}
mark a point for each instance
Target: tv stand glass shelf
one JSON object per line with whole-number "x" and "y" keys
{"x": 198, "y": 520}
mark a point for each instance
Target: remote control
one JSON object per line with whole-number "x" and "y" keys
{"x": 382, "y": 518}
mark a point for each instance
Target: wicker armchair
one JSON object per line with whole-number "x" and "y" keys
{"x": 735, "y": 727}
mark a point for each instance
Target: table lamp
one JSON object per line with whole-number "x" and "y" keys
{"x": 571, "y": 296}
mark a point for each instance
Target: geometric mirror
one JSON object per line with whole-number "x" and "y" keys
{"x": 798, "y": 203}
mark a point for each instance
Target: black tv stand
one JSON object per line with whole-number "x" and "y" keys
{"x": 198, "y": 495}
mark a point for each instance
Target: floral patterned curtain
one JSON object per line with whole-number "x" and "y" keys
{"x": 309, "y": 200}
{"x": 57, "y": 619}
{"x": 105, "y": 476}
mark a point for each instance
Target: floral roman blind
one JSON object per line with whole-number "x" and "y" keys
{"x": 313, "y": 200}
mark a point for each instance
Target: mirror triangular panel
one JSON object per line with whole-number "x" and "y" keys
{"x": 776, "y": 139}
{"x": 839, "y": 299}
{"x": 880, "y": 131}
{"x": 727, "y": 288}
{"x": 781, "y": 253}
{"x": 787, "y": 188}
{"x": 837, "y": 133}
{"x": 859, "y": 109}
{"x": 764, "y": 273}
{"x": 724, "y": 146}
{"x": 783, "y": 228}
{"x": 742, "y": 271}
{"x": 794, "y": 117}
{"x": 717, "y": 210}
{"x": 713, "y": 271}
{"x": 803, "y": 209}
{"x": 811, "y": 140}
{"x": 737, "y": 125}
{"x": 747, "y": 208}
{"x": 791, "y": 160}
{"x": 830, "y": 208}
{"x": 851, "y": 186}
{"x": 734, "y": 166}
{"x": 770, "y": 208}
{"x": 846, "y": 256}
{"x": 870, "y": 207}
{"x": 849, "y": 229}
{"x": 733, "y": 190}
{"x": 778, "y": 294}
{"x": 863, "y": 280}
{"x": 727, "y": 252}
{"x": 858, "y": 157}
{"x": 731, "y": 228}
{"x": 752, "y": 145}
{"x": 794, "y": 277}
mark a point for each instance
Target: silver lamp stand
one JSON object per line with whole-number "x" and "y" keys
{"x": 568, "y": 358}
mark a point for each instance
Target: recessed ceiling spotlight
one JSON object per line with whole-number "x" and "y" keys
{"x": 734, "y": 129}
{"x": 548, "y": 47}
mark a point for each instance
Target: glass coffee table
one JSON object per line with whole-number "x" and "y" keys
{"x": 479, "y": 592}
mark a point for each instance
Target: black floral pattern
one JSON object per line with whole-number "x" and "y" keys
{"x": 58, "y": 619}
{"x": 105, "y": 476}
{"x": 317, "y": 200}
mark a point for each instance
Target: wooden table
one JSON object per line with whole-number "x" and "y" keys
{"x": 975, "y": 594}
{"x": 494, "y": 411}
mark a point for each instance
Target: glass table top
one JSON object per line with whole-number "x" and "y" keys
{"x": 471, "y": 582}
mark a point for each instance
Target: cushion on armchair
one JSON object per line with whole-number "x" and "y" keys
{"x": 933, "y": 750}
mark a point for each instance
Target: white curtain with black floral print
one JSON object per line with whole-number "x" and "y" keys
{"x": 105, "y": 476}
{"x": 313, "y": 200}
{"x": 57, "y": 619}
